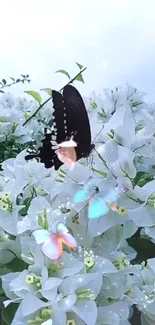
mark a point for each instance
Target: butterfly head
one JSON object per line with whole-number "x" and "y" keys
{"x": 96, "y": 189}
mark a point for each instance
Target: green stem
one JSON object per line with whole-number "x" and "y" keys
{"x": 15, "y": 82}
{"x": 46, "y": 101}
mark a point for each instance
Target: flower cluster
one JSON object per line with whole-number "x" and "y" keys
{"x": 113, "y": 268}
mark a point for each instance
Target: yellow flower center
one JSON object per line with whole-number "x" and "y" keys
{"x": 29, "y": 279}
{"x": 89, "y": 261}
{"x": 122, "y": 211}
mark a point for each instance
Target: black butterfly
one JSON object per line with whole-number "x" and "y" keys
{"x": 70, "y": 119}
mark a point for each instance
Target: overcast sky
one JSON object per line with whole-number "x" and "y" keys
{"x": 115, "y": 39}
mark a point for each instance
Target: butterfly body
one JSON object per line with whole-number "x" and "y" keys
{"x": 52, "y": 243}
{"x": 99, "y": 202}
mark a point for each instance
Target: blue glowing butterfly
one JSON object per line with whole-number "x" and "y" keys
{"x": 99, "y": 205}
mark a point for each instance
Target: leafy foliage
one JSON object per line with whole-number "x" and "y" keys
{"x": 35, "y": 95}
{"x": 4, "y": 83}
{"x": 64, "y": 72}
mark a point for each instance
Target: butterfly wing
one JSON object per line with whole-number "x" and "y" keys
{"x": 41, "y": 235}
{"x": 97, "y": 208}
{"x": 86, "y": 192}
{"x": 52, "y": 248}
{"x": 65, "y": 236}
{"x": 111, "y": 196}
{"x": 59, "y": 117}
{"x": 77, "y": 120}
{"x": 81, "y": 196}
{"x": 46, "y": 154}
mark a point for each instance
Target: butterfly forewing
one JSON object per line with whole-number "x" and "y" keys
{"x": 86, "y": 192}
{"x": 77, "y": 120}
{"x": 59, "y": 114}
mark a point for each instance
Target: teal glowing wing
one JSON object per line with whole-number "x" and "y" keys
{"x": 85, "y": 193}
{"x": 111, "y": 196}
{"x": 97, "y": 208}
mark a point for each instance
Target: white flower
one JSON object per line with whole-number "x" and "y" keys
{"x": 98, "y": 283}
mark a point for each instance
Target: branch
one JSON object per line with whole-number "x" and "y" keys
{"x": 5, "y": 84}
{"x": 38, "y": 109}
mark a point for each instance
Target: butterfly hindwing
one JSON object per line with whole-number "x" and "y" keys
{"x": 65, "y": 237}
{"x": 111, "y": 196}
{"x": 97, "y": 208}
{"x": 52, "y": 248}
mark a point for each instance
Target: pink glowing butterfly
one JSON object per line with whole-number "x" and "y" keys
{"x": 67, "y": 154}
{"x": 53, "y": 242}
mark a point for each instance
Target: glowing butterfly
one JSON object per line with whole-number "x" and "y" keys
{"x": 98, "y": 205}
{"x": 52, "y": 242}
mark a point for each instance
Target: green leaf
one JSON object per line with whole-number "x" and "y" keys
{"x": 63, "y": 72}
{"x": 48, "y": 91}
{"x": 35, "y": 95}
{"x": 142, "y": 178}
{"x": 12, "y": 79}
{"x": 17, "y": 80}
{"x": 1, "y": 91}
{"x": 80, "y": 65}
{"x": 1, "y": 289}
{"x": 17, "y": 265}
{"x": 101, "y": 173}
{"x": 4, "y": 270}
{"x": 3, "y": 322}
{"x": 9, "y": 312}
{"x": 26, "y": 202}
{"x": 144, "y": 247}
{"x": 79, "y": 78}
{"x": 4, "y": 81}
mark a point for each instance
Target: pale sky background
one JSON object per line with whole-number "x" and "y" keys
{"x": 115, "y": 39}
